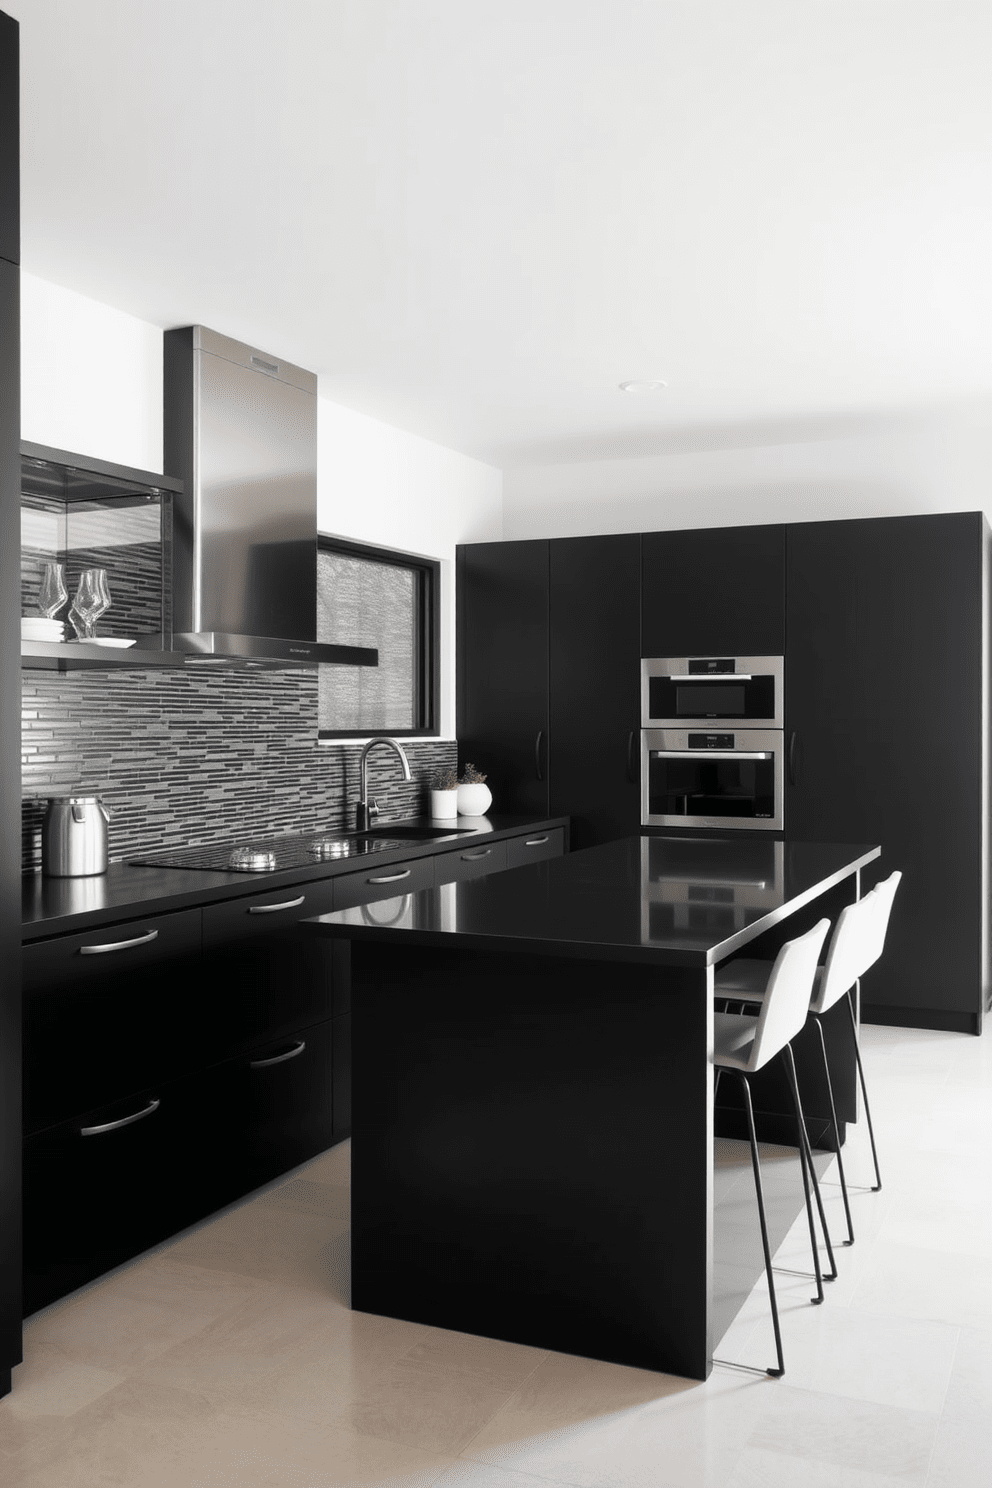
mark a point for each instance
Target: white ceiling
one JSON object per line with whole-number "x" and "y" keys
{"x": 474, "y": 219}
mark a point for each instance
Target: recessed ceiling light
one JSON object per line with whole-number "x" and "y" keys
{"x": 643, "y": 387}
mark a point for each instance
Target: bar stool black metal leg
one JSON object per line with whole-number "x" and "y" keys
{"x": 864, "y": 1092}
{"x": 808, "y": 1155}
{"x": 833, "y": 1118}
{"x": 806, "y": 1184}
{"x": 756, "y": 1168}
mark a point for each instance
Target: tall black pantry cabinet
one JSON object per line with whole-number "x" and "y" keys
{"x": 10, "y": 711}
{"x": 548, "y": 702}
{"x": 885, "y": 685}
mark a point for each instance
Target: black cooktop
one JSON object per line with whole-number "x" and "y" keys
{"x": 268, "y": 854}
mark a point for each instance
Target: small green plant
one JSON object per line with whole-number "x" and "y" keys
{"x": 472, "y": 776}
{"x": 445, "y": 780}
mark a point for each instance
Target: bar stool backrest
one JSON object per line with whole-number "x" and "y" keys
{"x": 787, "y": 998}
{"x": 855, "y": 944}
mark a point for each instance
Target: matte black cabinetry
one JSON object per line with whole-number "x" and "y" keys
{"x": 714, "y": 591}
{"x": 545, "y": 707}
{"x": 883, "y": 689}
{"x": 503, "y": 710}
{"x": 10, "y": 692}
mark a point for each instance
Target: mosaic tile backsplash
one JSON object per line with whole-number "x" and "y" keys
{"x": 191, "y": 757}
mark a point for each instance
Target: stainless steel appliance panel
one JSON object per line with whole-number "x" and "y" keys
{"x": 729, "y": 779}
{"x": 254, "y": 502}
{"x": 746, "y": 691}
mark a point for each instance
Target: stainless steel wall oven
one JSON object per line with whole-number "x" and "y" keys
{"x": 729, "y": 778}
{"x": 745, "y": 691}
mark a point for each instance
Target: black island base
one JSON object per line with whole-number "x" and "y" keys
{"x": 532, "y": 1119}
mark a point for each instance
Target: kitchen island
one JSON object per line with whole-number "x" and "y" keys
{"x": 533, "y": 1109}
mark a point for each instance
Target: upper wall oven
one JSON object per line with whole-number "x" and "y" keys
{"x": 702, "y": 690}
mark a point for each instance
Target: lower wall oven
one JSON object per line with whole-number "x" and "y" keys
{"x": 723, "y": 779}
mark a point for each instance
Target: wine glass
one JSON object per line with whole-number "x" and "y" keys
{"x": 53, "y": 593}
{"x": 92, "y": 599}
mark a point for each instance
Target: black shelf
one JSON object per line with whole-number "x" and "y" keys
{"x": 69, "y": 656}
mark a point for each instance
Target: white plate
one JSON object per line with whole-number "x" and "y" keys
{"x": 119, "y": 641}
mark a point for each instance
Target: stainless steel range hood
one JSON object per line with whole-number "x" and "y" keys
{"x": 241, "y": 433}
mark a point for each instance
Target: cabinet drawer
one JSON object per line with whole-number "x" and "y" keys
{"x": 267, "y": 913}
{"x": 108, "y": 1012}
{"x": 108, "y": 1184}
{"x": 469, "y": 862}
{"x": 263, "y": 980}
{"x": 386, "y": 882}
{"x": 534, "y": 847}
{"x": 282, "y": 1111}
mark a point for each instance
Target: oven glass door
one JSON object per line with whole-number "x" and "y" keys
{"x": 718, "y": 779}
{"x": 739, "y": 689}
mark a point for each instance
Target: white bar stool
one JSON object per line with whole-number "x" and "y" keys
{"x": 856, "y": 944}
{"x": 743, "y": 1045}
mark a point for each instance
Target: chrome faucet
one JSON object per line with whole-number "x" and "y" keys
{"x": 366, "y": 809}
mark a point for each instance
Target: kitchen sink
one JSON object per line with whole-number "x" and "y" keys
{"x": 401, "y": 833}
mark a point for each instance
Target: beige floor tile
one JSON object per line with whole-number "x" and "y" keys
{"x": 969, "y": 1390}
{"x": 112, "y": 1329}
{"x": 50, "y": 1383}
{"x": 307, "y": 1196}
{"x": 756, "y": 1468}
{"x": 332, "y": 1166}
{"x": 867, "y": 1357}
{"x": 961, "y": 1455}
{"x": 273, "y": 1244}
{"x": 479, "y": 1475}
{"x": 913, "y": 1282}
{"x": 959, "y": 1224}
{"x": 579, "y": 1421}
{"x": 850, "y": 1435}
{"x": 124, "y": 1438}
{"x": 243, "y": 1347}
{"x": 247, "y": 1452}
{"x": 441, "y": 1391}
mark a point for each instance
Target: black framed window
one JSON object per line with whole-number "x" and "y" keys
{"x": 370, "y": 596}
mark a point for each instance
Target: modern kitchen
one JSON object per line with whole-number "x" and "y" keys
{"x": 502, "y": 617}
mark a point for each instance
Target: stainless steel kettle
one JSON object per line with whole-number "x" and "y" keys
{"x": 74, "y": 837}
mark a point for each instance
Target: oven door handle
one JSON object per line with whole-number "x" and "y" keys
{"x": 710, "y": 676}
{"x": 795, "y": 758}
{"x": 631, "y": 762}
{"x": 719, "y": 754}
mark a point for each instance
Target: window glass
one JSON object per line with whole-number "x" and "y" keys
{"x": 365, "y": 601}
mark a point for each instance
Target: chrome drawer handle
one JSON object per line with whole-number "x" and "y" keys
{"x": 390, "y": 877}
{"x": 535, "y": 841}
{"x": 274, "y": 908}
{"x": 471, "y": 857}
{"x": 278, "y": 1058}
{"x": 118, "y": 945}
{"x": 95, "y": 1131}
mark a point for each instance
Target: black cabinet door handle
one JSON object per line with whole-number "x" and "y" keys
{"x": 471, "y": 857}
{"x": 795, "y": 759}
{"x": 631, "y": 772}
{"x": 118, "y": 945}
{"x": 275, "y": 908}
{"x": 539, "y": 772}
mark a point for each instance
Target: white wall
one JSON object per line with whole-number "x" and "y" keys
{"x": 929, "y": 461}
{"x": 91, "y": 377}
{"x": 379, "y": 485}
{"x": 91, "y": 382}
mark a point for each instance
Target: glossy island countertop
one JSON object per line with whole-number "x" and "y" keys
{"x": 667, "y": 900}
{"x": 57, "y": 906}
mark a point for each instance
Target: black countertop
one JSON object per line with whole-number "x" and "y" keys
{"x": 59, "y": 906}
{"x": 664, "y": 900}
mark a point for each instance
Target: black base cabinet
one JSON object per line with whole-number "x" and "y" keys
{"x": 175, "y": 1063}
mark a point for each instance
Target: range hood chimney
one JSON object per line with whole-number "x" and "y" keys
{"x": 241, "y": 433}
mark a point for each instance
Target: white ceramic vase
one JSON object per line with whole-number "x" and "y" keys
{"x": 474, "y": 800}
{"x": 444, "y": 804}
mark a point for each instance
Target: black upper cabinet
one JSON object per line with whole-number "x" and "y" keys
{"x": 10, "y": 696}
{"x": 595, "y": 685}
{"x": 714, "y": 591}
{"x": 10, "y": 214}
{"x": 883, "y": 697}
{"x": 503, "y": 669}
